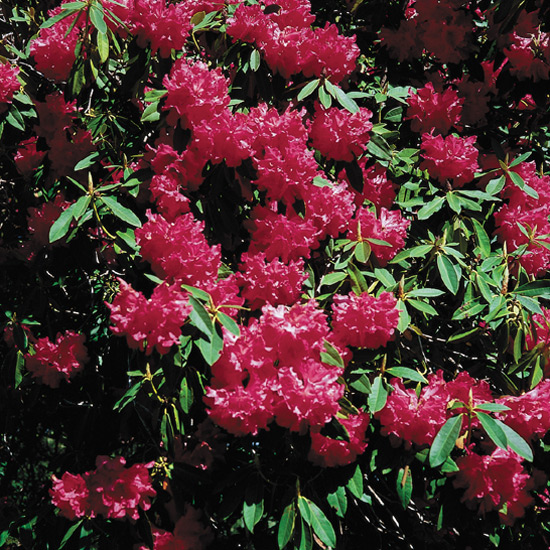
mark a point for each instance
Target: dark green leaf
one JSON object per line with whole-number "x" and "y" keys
{"x": 430, "y": 208}
{"x": 482, "y": 238}
{"x": 253, "y": 505}
{"x": 378, "y": 395}
{"x": 338, "y": 501}
{"x": 128, "y": 397}
{"x": 355, "y": 484}
{"x": 210, "y": 348}
{"x": 448, "y": 273}
{"x": 345, "y": 101}
{"x": 62, "y": 225}
{"x": 186, "y": 397}
{"x": 358, "y": 282}
{"x": 316, "y": 518}
{"x": 516, "y": 442}
{"x": 200, "y": 318}
{"x": 151, "y": 113}
{"x": 68, "y": 10}
{"x": 331, "y": 356}
{"x": 80, "y": 206}
{"x": 286, "y": 526}
{"x": 404, "y": 486}
{"x": 379, "y": 147}
{"x": 539, "y": 288}
{"x": 422, "y": 306}
{"x": 70, "y": 532}
{"x": 121, "y": 212}
{"x": 494, "y": 431}
{"x": 445, "y": 440}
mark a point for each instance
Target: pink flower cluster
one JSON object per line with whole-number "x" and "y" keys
{"x": 111, "y": 490}
{"x": 150, "y": 324}
{"x": 364, "y": 321}
{"x": 532, "y": 214}
{"x": 189, "y": 533}
{"x": 53, "y": 362}
{"x": 497, "y": 482}
{"x": 417, "y": 418}
{"x": 430, "y": 110}
{"x": 450, "y": 159}
{"x": 388, "y": 226}
{"x": 9, "y": 84}
{"x": 288, "y": 44}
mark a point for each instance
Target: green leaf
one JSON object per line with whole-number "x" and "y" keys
{"x": 286, "y": 526}
{"x": 19, "y": 369}
{"x": 379, "y": 147}
{"x": 15, "y": 119}
{"x": 404, "y": 316}
{"x": 306, "y": 539}
{"x": 324, "y": 97}
{"x": 186, "y": 397}
{"x": 253, "y": 505}
{"x": 482, "y": 238}
{"x": 151, "y": 113}
{"x": 358, "y": 282}
{"x": 448, "y": 273}
{"x": 338, "y": 501}
{"x": 102, "y": 41}
{"x": 430, "y": 208}
{"x": 331, "y": 356}
{"x": 494, "y": 431}
{"x": 496, "y": 186}
{"x": 121, "y": 212}
{"x": 378, "y": 395}
{"x": 355, "y": 484}
{"x": 414, "y": 252}
{"x": 345, "y": 101}
{"x": 404, "y": 486}
{"x": 86, "y": 161}
{"x": 128, "y": 397}
{"x": 200, "y": 318}
{"x": 229, "y": 323}
{"x": 422, "y": 306}
{"x": 316, "y": 518}
{"x": 308, "y": 89}
{"x": 97, "y": 17}
{"x": 444, "y": 441}
{"x": 333, "y": 278}
{"x": 210, "y": 348}
{"x": 539, "y": 288}
{"x": 520, "y": 159}
{"x": 61, "y": 226}
{"x": 70, "y": 532}
{"x": 491, "y": 407}
{"x": 255, "y": 60}
{"x": 516, "y": 442}
{"x": 462, "y": 335}
{"x": 362, "y": 252}
{"x": 67, "y": 10}
{"x": 407, "y": 373}
{"x": 454, "y": 202}
{"x": 425, "y": 293}
{"x": 197, "y": 293}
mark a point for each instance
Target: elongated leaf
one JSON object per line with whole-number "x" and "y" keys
{"x": 61, "y": 226}
{"x": 151, "y": 113}
{"x": 495, "y": 186}
{"x": 197, "y": 293}
{"x": 253, "y": 505}
{"x": 306, "y": 538}
{"x": 379, "y": 148}
{"x": 97, "y": 18}
{"x": 448, "y": 273}
{"x": 255, "y": 60}
{"x": 86, "y": 161}
{"x": 540, "y": 288}
{"x": 210, "y": 348}
{"x": 492, "y": 407}
{"x": 422, "y": 306}
{"x": 121, "y": 212}
{"x": 378, "y": 395}
{"x": 362, "y": 252}
{"x": 315, "y": 517}
{"x": 516, "y": 442}
{"x": 308, "y": 89}
{"x": 102, "y": 46}
{"x": 331, "y": 356}
{"x": 286, "y": 526}
{"x": 200, "y": 318}
{"x": 425, "y": 293}
{"x": 408, "y": 374}
{"x": 70, "y": 532}
{"x": 324, "y": 97}
{"x": 355, "y": 484}
{"x": 404, "y": 316}
{"x": 482, "y": 238}
{"x": 445, "y": 440}
{"x": 345, "y": 101}
{"x": 186, "y": 397}
{"x": 67, "y": 10}
{"x": 494, "y": 431}
{"x": 431, "y": 208}
{"x": 333, "y": 278}
{"x": 404, "y": 486}
{"x": 228, "y": 323}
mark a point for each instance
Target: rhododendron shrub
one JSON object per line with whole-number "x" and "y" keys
{"x": 279, "y": 269}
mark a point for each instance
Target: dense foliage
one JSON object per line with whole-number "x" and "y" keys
{"x": 275, "y": 274}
